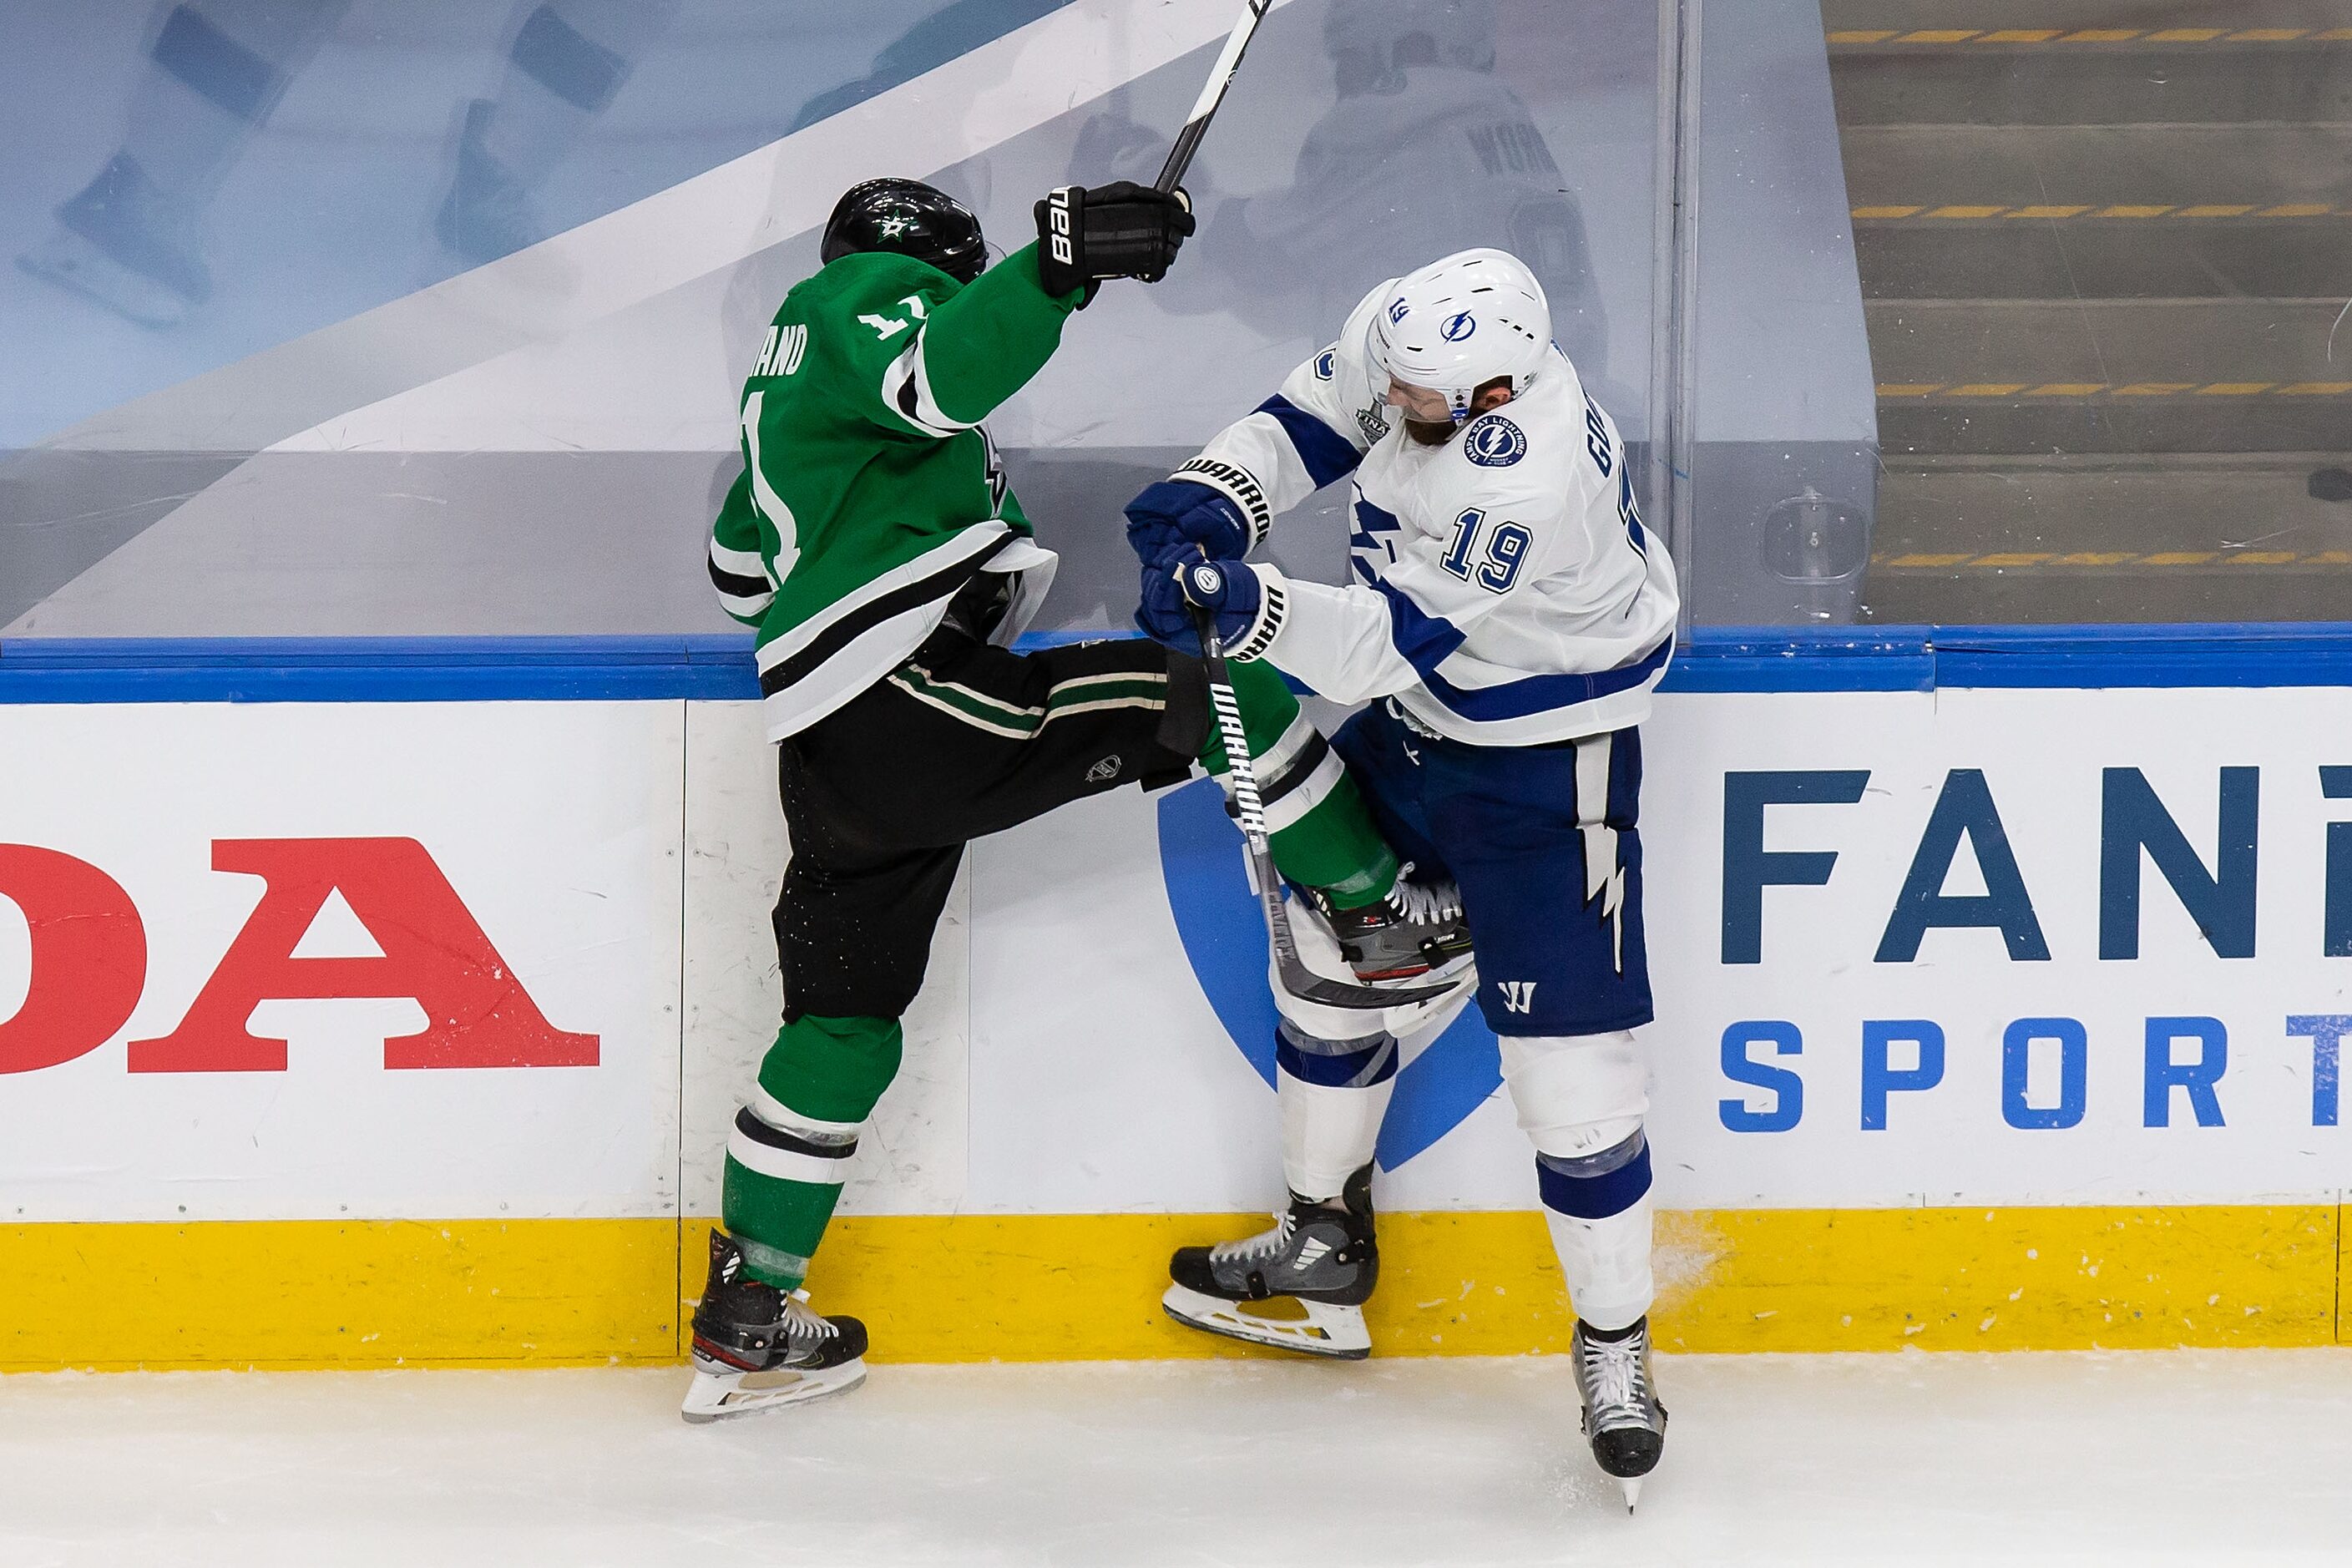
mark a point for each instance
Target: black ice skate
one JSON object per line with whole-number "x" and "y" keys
{"x": 1624, "y": 1420}
{"x": 754, "y": 1346}
{"x": 1418, "y": 928}
{"x": 1324, "y": 1259}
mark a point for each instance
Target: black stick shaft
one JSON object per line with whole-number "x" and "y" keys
{"x": 1204, "y": 108}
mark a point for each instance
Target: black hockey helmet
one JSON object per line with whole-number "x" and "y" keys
{"x": 911, "y": 218}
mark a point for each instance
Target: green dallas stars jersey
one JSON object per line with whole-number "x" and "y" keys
{"x": 870, "y": 493}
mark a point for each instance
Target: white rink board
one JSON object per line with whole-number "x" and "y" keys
{"x": 1092, "y": 1041}
{"x": 556, "y": 826}
{"x": 1065, "y": 1056}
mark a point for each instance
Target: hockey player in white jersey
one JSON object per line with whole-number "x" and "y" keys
{"x": 1507, "y": 619}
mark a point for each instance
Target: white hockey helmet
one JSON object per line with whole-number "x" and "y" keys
{"x": 1457, "y": 323}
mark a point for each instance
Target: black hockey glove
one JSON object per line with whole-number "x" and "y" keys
{"x": 1120, "y": 230}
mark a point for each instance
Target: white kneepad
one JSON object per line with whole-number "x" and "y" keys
{"x": 1577, "y": 1094}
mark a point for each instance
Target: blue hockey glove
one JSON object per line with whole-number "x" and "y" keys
{"x": 1248, "y": 609}
{"x": 1166, "y": 516}
{"x": 1164, "y": 615}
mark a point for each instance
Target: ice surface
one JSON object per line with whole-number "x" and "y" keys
{"x": 1892, "y": 1460}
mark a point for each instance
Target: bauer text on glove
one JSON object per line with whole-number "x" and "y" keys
{"x": 1119, "y": 230}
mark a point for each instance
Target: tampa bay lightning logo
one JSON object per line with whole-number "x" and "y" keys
{"x": 1494, "y": 442}
{"x": 1225, "y": 939}
{"x": 1458, "y": 327}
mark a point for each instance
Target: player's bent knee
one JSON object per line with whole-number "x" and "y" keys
{"x": 1576, "y": 1094}
{"x": 832, "y": 1069}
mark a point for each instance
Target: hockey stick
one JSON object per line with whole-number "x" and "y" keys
{"x": 1257, "y": 856}
{"x": 1212, "y": 93}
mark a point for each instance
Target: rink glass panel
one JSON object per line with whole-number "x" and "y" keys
{"x": 339, "y": 390}
{"x": 337, "y": 317}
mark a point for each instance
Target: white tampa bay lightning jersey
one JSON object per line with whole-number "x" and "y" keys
{"x": 1505, "y": 591}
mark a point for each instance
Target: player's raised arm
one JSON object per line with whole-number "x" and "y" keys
{"x": 937, "y": 350}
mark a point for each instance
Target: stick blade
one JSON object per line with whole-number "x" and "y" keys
{"x": 1309, "y": 986}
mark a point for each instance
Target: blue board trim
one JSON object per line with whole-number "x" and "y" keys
{"x": 717, "y": 665}
{"x": 377, "y": 669}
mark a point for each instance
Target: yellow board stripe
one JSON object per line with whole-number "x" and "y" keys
{"x": 2010, "y": 560}
{"x": 1917, "y": 389}
{"x": 1087, "y": 1287}
{"x": 306, "y": 1293}
{"x": 1850, "y": 37}
{"x": 1973, "y": 212}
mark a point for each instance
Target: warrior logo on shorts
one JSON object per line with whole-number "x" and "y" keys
{"x": 1494, "y": 442}
{"x": 1104, "y": 771}
{"x": 1458, "y": 327}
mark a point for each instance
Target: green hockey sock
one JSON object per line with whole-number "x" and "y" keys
{"x": 792, "y": 1144}
{"x": 1320, "y": 829}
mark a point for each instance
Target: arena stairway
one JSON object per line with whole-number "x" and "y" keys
{"x": 2106, "y": 249}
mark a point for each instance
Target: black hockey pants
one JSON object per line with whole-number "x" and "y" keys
{"x": 964, "y": 739}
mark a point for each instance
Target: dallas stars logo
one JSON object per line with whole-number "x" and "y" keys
{"x": 895, "y": 226}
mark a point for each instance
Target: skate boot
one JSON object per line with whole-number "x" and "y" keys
{"x": 1324, "y": 1259}
{"x": 126, "y": 243}
{"x": 1624, "y": 1420}
{"x": 1419, "y": 928}
{"x": 755, "y": 1346}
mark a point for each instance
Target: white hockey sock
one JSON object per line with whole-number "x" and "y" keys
{"x": 1606, "y": 1262}
{"x": 1334, "y": 1094}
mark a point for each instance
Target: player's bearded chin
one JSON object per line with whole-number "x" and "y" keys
{"x": 1430, "y": 433}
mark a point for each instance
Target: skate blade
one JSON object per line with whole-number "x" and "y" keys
{"x": 1334, "y": 1332}
{"x": 719, "y": 1395}
{"x": 70, "y": 261}
{"x": 1633, "y": 1488}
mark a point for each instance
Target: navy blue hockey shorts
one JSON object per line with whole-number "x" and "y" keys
{"x": 1543, "y": 843}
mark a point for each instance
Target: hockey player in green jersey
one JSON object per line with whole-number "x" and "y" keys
{"x": 875, "y": 543}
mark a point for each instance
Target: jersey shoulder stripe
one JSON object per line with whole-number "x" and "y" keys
{"x": 1327, "y": 454}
